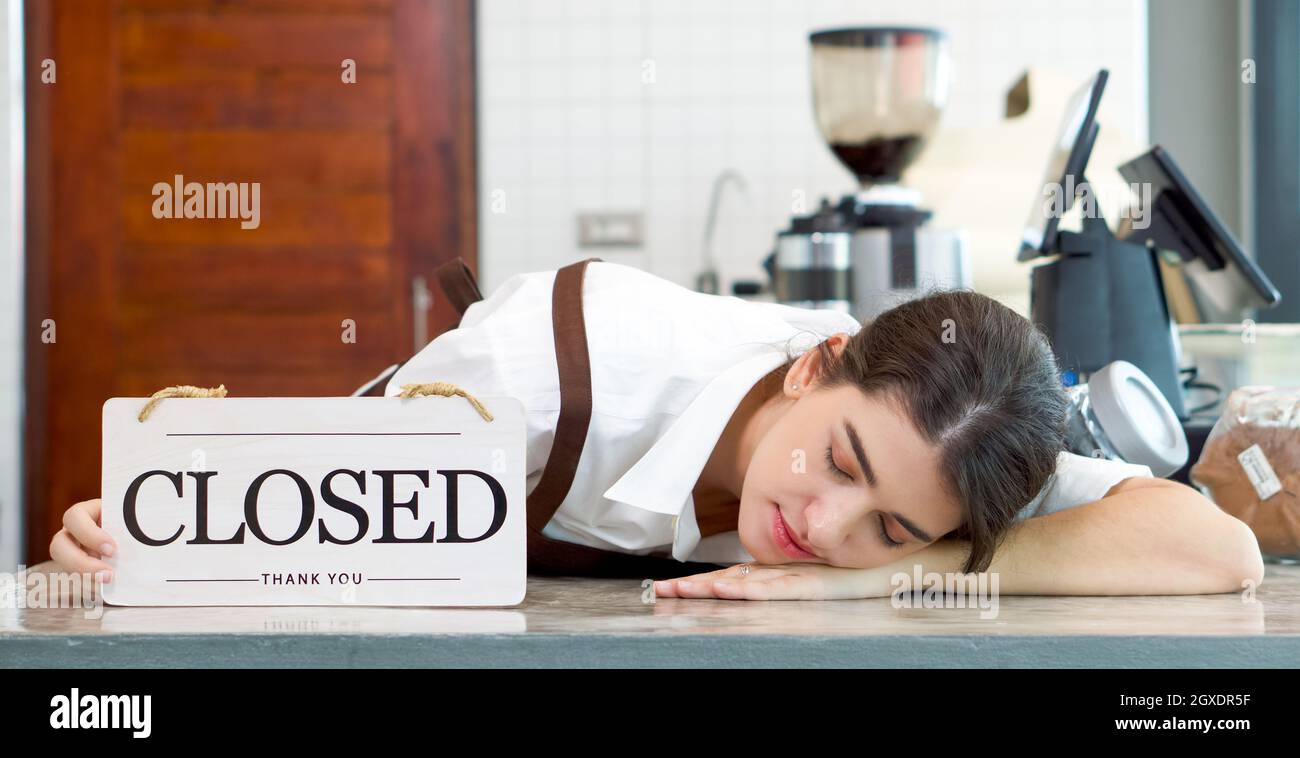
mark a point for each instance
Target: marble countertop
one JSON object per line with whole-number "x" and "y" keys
{"x": 571, "y": 622}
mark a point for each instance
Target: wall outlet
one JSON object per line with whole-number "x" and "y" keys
{"x": 611, "y": 229}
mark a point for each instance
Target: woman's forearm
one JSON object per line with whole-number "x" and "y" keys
{"x": 1151, "y": 537}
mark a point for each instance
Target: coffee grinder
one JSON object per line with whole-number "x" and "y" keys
{"x": 877, "y": 95}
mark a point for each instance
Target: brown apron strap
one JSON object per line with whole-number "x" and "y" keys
{"x": 458, "y": 284}
{"x": 461, "y": 290}
{"x": 574, "y": 365}
{"x": 547, "y": 556}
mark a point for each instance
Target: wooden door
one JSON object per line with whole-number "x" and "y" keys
{"x": 365, "y": 187}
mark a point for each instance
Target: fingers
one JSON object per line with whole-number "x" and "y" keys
{"x": 73, "y": 557}
{"x": 783, "y": 587}
{"x": 730, "y": 584}
{"x": 82, "y": 523}
{"x": 687, "y": 586}
{"x": 711, "y": 587}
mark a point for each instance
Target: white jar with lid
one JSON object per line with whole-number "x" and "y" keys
{"x": 1120, "y": 414}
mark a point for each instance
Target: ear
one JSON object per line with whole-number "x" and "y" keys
{"x": 809, "y": 366}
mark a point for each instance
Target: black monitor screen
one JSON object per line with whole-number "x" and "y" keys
{"x": 1181, "y": 221}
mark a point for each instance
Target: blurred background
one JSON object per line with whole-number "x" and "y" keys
{"x": 678, "y": 136}
{"x": 589, "y": 107}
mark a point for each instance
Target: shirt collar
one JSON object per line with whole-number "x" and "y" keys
{"x": 662, "y": 479}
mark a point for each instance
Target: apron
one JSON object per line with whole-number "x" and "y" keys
{"x": 547, "y": 556}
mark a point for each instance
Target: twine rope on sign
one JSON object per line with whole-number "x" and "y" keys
{"x": 444, "y": 389}
{"x": 180, "y": 390}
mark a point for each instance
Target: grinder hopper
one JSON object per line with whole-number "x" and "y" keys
{"x": 877, "y": 94}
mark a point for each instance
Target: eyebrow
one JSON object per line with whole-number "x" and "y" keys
{"x": 858, "y": 452}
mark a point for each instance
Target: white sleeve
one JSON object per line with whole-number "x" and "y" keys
{"x": 1079, "y": 480}
{"x": 497, "y": 338}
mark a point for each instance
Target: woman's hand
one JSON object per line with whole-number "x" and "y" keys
{"x": 81, "y": 543}
{"x": 787, "y": 581}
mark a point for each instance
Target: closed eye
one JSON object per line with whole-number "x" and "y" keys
{"x": 884, "y": 534}
{"x": 842, "y": 474}
{"x": 836, "y": 470}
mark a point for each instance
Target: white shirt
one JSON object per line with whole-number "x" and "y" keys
{"x": 669, "y": 367}
{"x": 1078, "y": 480}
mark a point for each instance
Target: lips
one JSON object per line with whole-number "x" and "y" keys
{"x": 783, "y": 535}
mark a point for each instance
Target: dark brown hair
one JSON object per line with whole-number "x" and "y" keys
{"x": 980, "y": 382}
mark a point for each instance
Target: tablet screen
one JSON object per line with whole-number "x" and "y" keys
{"x": 1065, "y": 166}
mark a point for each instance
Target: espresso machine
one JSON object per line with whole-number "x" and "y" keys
{"x": 877, "y": 96}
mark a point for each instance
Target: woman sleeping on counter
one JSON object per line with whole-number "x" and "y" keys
{"x": 808, "y": 456}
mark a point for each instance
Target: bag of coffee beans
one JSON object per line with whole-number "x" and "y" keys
{"x": 1250, "y": 465}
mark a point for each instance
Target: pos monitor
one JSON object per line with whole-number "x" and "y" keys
{"x": 1225, "y": 281}
{"x": 1065, "y": 165}
{"x": 1098, "y": 299}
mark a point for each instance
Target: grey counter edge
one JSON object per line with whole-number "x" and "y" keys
{"x": 546, "y": 650}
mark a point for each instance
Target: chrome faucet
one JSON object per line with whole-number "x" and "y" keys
{"x": 707, "y": 279}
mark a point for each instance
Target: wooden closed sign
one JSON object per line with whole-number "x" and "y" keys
{"x": 315, "y": 501}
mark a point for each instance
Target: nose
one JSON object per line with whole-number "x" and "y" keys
{"x": 831, "y": 519}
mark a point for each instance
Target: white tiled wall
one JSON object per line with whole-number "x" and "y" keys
{"x": 592, "y": 105}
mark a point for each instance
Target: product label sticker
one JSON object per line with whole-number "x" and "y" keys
{"x": 1261, "y": 474}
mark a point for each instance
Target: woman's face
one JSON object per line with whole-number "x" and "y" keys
{"x": 875, "y": 500}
